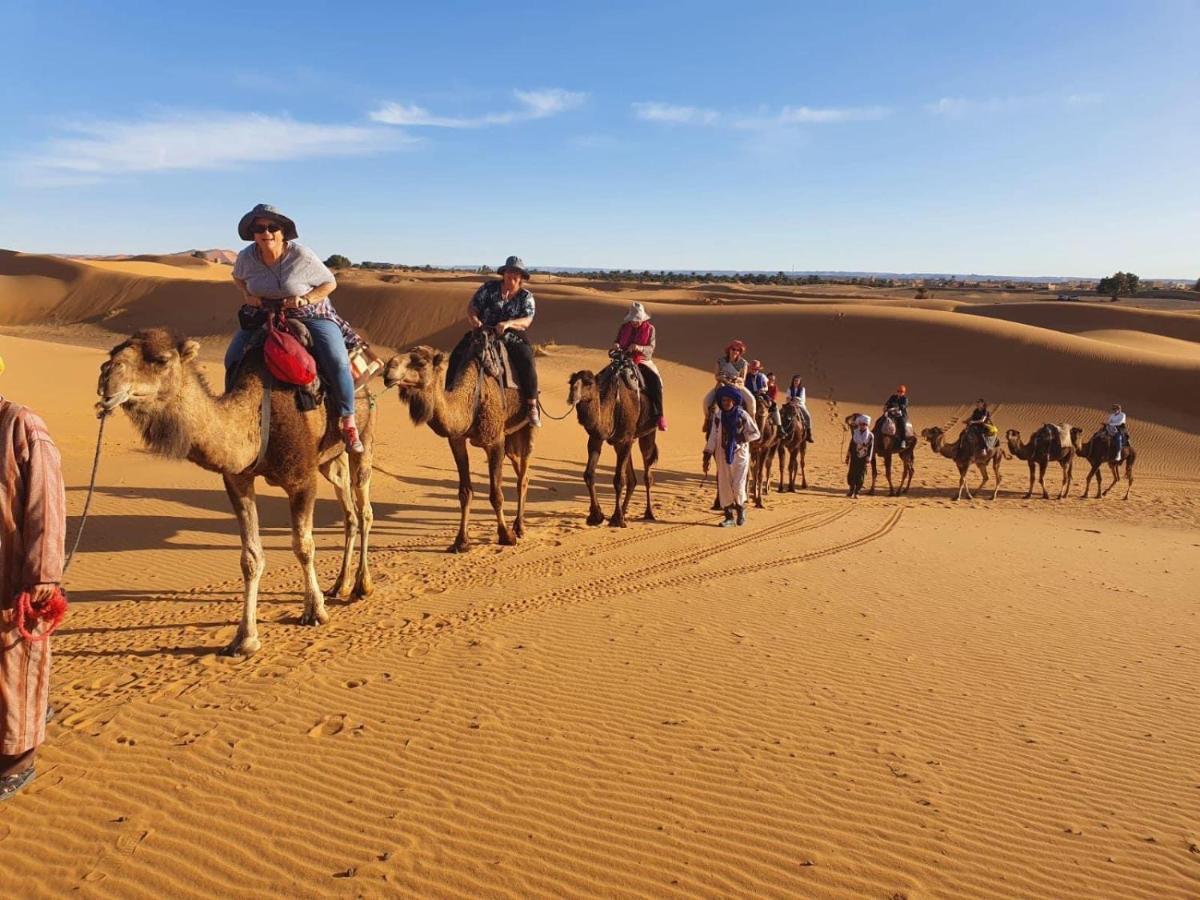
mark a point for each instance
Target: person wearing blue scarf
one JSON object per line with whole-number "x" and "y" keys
{"x": 729, "y": 438}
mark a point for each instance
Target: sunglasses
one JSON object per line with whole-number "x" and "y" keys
{"x": 273, "y": 228}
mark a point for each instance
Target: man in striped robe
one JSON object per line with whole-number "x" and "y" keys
{"x": 32, "y": 535}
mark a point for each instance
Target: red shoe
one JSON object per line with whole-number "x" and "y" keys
{"x": 350, "y": 436}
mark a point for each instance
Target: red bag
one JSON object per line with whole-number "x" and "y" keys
{"x": 286, "y": 357}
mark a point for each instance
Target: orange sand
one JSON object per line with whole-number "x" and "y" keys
{"x": 883, "y": 698}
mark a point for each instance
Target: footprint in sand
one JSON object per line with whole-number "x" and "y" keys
{"x": 328, "y": 726}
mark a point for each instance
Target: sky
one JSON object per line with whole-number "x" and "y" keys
{"x": 1020, "y": 138}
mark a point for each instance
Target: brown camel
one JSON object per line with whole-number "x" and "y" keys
{"x": 1098, "y": 450}
{"x": 1043, "y": 448}
{"x": 475, "y": 411}
{"x": 795, "y": 444}
{"x": 968, "y": 450}
{"x": 153, "y": 376}
{"x": 614, "y": 413}
{"x": 763, "y": 453}
{"x": 887, "y": 446}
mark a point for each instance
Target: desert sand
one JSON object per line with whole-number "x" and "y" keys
{"x": 890, "y": 697}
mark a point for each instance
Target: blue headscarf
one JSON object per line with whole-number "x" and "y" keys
{"x": 731, "y": 420}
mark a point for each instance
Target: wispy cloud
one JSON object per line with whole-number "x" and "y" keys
{"x": 540, "y": 104}
{"x": 674, "y": 115}
{"x": 95, "y": 150}
{"x": 957, "y": 107}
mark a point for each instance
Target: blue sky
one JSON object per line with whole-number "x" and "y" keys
{"x": 1024, "y": 138}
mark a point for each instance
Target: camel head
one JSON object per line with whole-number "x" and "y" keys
{"x": 1076, "y": 431}
{"x": 417, "y": 375}
{"x": 581, "y": 386}
{"x": 1014, "y": 438}
{"x": 934, "y": 435}
{"x": 145, "y": 371}
{"x": 144, "y": 375}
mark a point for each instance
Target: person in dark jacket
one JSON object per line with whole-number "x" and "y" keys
{"x": 896, "y": 408}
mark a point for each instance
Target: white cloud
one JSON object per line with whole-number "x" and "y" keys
{"x": 956, "y": 107}
{"x": 532, "y": 105}
{"x": 674, "y": 115}
{"x": 93, "y": 150}
{"x": 807, "y": 115}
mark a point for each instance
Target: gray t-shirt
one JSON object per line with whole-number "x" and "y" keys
{"x": 297, "y": 273}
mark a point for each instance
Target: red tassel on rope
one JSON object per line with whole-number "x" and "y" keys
{"x": 52, "y": 611}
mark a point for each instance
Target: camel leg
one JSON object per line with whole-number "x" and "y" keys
{"x": 595, "y": 514}
{"x": 803, "y": 471}
{"x": 458, "y": 447}
{"x": 337, "y": 473}
{"x": 1029, "y": 493}
{"x": 495, "y": 455}
{"x": 1116, "y": 476}
{"x": 906, "y": 478}
{"x": 648, "y": 444}
{"x": 1128, "y": 478}
{"x": 360, "y": 480}
{"x": 887, "y": 472}
{"x": 240, "y": 489}
{"x": 756, "y": 472}
{"x": 1067, "y": 466}
{"x": 783, "y": 452}
{"x": 874, "y": 474}
{"x": 792, "y": 467}
{"x": 1042, "y": 463}
{"x": 962, "y": 483}
{"x": 996, "y": 471}
{"x": 301, "y": 503}
{"x": 630, "y": 483}
{"x": 620, "y": 476}
{"x": 518, "y": 455}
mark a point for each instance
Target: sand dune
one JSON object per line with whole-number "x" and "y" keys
{"x": 894, "y": 697}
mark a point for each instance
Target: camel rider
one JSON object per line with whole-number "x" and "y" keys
{"x": 772, "y": 387}
{"x": 980, "y": 421}
{"x": 732, "y": 370}
{"x": 637, "y": 338}
{"x": 1115, "y": 426}
{"x": 896, "y": 409}
{"x": 278, "y": 273}
{"x": 758, "y": 384}
{"x": 798, "y": 397}
{"x": 506, "y": 307}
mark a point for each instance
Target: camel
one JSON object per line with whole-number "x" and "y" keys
{"x": 887, "y": 446}
{"x": 1097, "y": 450}
{"x": 965, "y": 451}
{"x": 154, "y": 377}
{"x": 763, "y": 453}
{"x": 795, "y": 444}
{"x": 610, "y": 411}
{"x": 1040, "y": 452}
{"x": 475, "y": 411}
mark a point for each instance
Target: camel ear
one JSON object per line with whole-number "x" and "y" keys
{"x": 438, "y": 357}
{"x": 188, "y": 350}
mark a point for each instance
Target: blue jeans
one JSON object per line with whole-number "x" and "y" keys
{"x": 329, "y": 348}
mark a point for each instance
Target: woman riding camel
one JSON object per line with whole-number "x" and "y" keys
{"x": 1114, "y": 425}
{"x": 798, "y": 397}
{"x": 981, "y": 418}
{"x": 896, "y": 407}
{"x": 759, "y": 384}
{"x": 729, "y": 438}
{"x": 278, "y": 273}
{"x": 506, "y": 307}
{"x": 637, "y": 338}
{"x": 732, "y": 369}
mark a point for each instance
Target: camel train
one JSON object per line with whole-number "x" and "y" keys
{"x": 258, "y": 430}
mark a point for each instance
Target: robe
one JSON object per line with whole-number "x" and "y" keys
{"x": 32, "y": 537}
{"x": 731, "y": 476}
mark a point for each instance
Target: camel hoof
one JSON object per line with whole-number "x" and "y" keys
{"x": 506, "y": 537}
{"x": 614, "y": 522}
{"x": 648, "y": 516}
{"x": 242, "y": 647}
{"x": 459, "y": 547}
{"x": 595, "y": 518}
{"x": 313, "y": 617}
{"x": 804, "y": 485}
{"x": 363, "y": 589}
{"x": 519, "y": 528}
{"x": 758, "y": 504}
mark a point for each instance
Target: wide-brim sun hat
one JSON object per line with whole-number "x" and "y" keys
{"x": 637, "y": 313}
{"x": 516, "y": 264}
{"x": 735, "y": 345}
{"x": 265, "y": 211}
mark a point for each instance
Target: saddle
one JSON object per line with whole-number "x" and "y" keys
{"x": 492, "y": 354}
{"x": 1052, "y": 438}
{"x": 622, "y": 370}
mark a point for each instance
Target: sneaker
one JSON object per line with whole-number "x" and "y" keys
{"x": 350, "y": 436}
{"x": 535, "y": 417}
{"x": 662, "y": 423}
